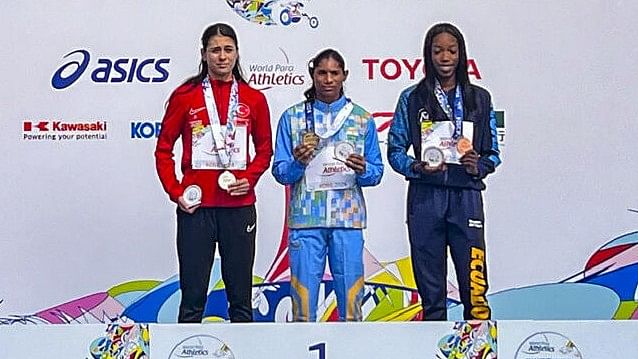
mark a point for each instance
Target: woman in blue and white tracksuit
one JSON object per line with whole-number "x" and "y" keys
{"x": 326, "y": 150}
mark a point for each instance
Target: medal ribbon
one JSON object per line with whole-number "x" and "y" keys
{"x": 310, "y": 117}
{"x": 455, "y": 115}
{"x": 334, "y": 126}
{"x": 223, "y": 144}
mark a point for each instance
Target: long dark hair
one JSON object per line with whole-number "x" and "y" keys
{"x": 223, "y": 30}
{"x": 311, "y": 93}
{"x": 461, "y": 69}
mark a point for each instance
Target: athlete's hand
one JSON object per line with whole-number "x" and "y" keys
{"x": 239, "y": 187}
{"x": 303, "y": 153}
{"x": 357, "y": 163}
{"x": 470, "y": 162}
{"x": 184, "y": 206}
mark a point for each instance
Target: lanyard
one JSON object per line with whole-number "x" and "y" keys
{"x": 310, "y": 117}
{"x": 332, "y": 128}
{"x": 455, "y": 115}
{"x": 223, "y": 146}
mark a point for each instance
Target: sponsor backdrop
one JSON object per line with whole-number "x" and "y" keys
{"x": 87, "y": 233}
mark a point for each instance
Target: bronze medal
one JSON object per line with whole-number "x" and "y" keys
{"x": 463, "y": 145}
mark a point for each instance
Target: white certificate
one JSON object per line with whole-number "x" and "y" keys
{"x": 205, "y": 155}
{"x": 439, "y": 134}
{"x": 325, "y": 173}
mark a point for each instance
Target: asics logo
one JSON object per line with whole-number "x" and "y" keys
{"x": 109, "y": 70}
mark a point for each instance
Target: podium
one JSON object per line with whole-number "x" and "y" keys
{"x": 494, "y": 339}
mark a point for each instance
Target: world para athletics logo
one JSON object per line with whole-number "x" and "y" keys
{"x": 273, "y": 12}
{"x": 107, "y": 70}
{"x": 548, "y": 345}
{"x": 201, "y": 346}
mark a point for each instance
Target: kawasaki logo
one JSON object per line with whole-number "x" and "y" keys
{"x": 61, "y": 126}
{"x": 58, "y": 130}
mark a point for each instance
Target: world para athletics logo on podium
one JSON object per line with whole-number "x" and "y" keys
{"x": 274, "y": 12}
{"x": 201, "y": 346}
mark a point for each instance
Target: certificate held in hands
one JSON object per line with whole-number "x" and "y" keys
{"x": 440, "y": 135}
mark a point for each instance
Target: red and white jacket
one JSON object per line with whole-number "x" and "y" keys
{"x": 186, "y": 108}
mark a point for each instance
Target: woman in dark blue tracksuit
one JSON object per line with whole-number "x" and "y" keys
{"x": 445, "y": 206}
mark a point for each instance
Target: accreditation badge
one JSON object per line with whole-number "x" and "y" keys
{"x": 441, "y": 135}
{"x": 326, "y": 173}
{"x": 205, "y": 155}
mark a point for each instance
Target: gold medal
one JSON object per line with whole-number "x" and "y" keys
{"x": 225, "y": 179}
{"x": 310, "y": 138}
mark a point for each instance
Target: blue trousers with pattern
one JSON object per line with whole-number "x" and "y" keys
{"x": 308, "y": 250}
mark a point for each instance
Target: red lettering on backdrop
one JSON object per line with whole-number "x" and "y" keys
{"x": 397, "y": 69}
{"x": 412, "y": 68}
{"x": 370, "y": 62}
{"x": 472, "y": 69}
{"x": 392, "y": 68}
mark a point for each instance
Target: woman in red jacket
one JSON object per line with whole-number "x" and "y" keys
{"x": 215, "y": 113}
